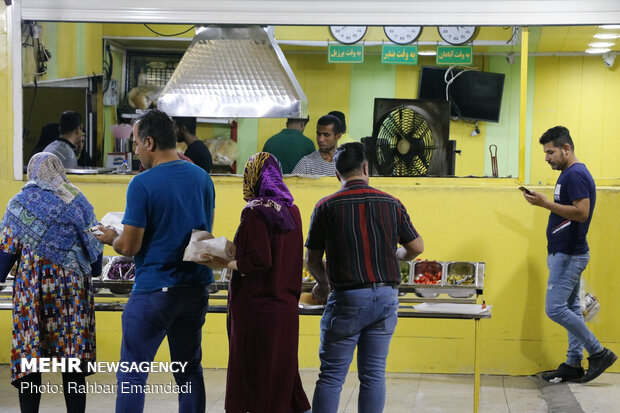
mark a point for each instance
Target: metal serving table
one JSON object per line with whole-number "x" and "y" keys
{"x": 108, "y": 301}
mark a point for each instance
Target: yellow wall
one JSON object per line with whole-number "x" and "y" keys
{"x": 460, "y": 219}
{"x": 583, "y": 95}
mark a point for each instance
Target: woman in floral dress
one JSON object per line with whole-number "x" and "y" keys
{"x": 45, "y": 230}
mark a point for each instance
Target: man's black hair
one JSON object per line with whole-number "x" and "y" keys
{"x": 349, "y": 158}
{"x": 159, "y": 126}
{"x": 188, "y": 121}
{"x": 341, "y": 118}
{"x": 327, "y": 120}
{"x": 559, "y": 135}
{"x": 69, "y": 121}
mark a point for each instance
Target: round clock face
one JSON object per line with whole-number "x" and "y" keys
{"x": 348, "y": 34}
{"x": 402, "y": 34}
{"x": 457, "y": 34}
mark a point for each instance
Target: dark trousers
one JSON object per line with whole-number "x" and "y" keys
{"x": 177, "y": 313}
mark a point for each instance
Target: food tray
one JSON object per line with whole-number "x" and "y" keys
{"x": 459, "y": 279}
{"x": 118, "y": 284}
{"x": 463, "y": 278}
{"x": 405, "y": 271}
{"x": 428, "y": 275}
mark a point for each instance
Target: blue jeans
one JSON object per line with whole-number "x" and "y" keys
{"x": 365, "y": 318}
{"x": 562, "y": 304}
{"x": 178, "y": 313}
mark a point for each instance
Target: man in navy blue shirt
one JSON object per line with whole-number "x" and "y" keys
{"x": 568, "y": 255}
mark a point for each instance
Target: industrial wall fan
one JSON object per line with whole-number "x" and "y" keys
{"x": 410, "y": 138}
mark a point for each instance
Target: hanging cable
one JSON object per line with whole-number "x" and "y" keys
{"x": 449, "y": 82}
{"x": 169, "y": 35}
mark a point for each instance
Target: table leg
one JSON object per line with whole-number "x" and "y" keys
{"x": 476, "y": 364}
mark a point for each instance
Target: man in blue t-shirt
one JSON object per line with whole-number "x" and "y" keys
{"x": 169, "y": 298}
{"x": 568, "y": 255}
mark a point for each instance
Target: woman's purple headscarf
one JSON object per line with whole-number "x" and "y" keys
{"x": 266, "y": 192}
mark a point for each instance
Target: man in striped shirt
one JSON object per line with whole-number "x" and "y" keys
{"x": 321, "y": 162}
{"x": 359, "y": 228}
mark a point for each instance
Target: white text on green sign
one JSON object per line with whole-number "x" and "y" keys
{"x": 455, "y": 55}
{"x": 338, "y": 53}
{"x": 404, "y": 55}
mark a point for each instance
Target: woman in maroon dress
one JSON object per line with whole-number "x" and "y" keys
{"x": 263, "y": 375}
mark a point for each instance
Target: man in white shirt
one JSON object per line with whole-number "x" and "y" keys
{"x": 321, "y": 162}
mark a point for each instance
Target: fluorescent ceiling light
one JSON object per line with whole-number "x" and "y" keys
{"x": 597, "y": 51}
{"x": 601, "y": 44}
{"x": 606, "y": 36}
{"x": 610, "y": 26}
{"x": 427, "y": 52}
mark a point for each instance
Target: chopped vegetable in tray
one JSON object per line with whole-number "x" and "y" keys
{"x": 122, "y": 270}
{"x": 456, "y": 279}
{"x": 427, "y": 278}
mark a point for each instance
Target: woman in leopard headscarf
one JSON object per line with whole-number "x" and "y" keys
{"x": 263, "y": 373}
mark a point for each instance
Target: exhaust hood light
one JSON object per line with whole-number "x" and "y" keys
{"x": 597, "y": 51}
{"x": 427, "y": 52}
{"x": 606, "y": 36}
{"x": 610, "y": 26}
{"x": 601, "y": 44}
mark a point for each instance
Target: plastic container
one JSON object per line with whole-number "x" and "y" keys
{"x": 123, "y": 168}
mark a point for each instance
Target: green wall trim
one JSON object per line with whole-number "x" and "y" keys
{"x": 247, "y": 136}
{"x": 529, "y": 116}
{"x": 50, "y": 32}
{"x": 368, "y": 81}
{"x": 505, "y": 133}
{"x": 80, "y": 49}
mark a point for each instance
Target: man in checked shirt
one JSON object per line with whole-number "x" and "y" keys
{"x": 358, "y": 228}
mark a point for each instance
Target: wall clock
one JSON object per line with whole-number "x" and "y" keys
{"x": 402, "y": 34}
{"x": 457, "y": 34}
{"x": 348, "y": 34}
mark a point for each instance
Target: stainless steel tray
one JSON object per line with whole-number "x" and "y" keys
{"x": 455, "y": 291}
{"x": 89, "y": 170}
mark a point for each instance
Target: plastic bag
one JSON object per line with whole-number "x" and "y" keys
{"x": 590, "y": 305}
{"x": 223, "y": 150}
{"x": 202, "y": 242}
{"x": 110, "y": 220}
{"x": 141, "y": 97}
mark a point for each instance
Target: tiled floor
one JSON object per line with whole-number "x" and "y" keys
{"x": 406, "y": 392}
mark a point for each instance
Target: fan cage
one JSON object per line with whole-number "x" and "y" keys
{"x": 404, "y": 143}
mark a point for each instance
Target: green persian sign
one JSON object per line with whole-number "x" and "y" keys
{"x": 455, "y": 55}
{"x": 338, "y": 53}
{"x": 404, "y": 55}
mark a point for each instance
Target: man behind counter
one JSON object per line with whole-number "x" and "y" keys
{"x": 169, "y": 297}
{"x": 321, "y": 162}
{"x": 197, "y": 151}
{"x": 71, "y": 137}
{"x": 290, "y": 144}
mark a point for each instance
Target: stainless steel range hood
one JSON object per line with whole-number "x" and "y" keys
{"x": 233, "y": 72}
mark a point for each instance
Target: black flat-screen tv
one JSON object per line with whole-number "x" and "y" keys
{"x": 473, "y": 95}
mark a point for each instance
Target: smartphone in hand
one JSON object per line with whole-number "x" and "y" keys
{"x": 524, "y": 189}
